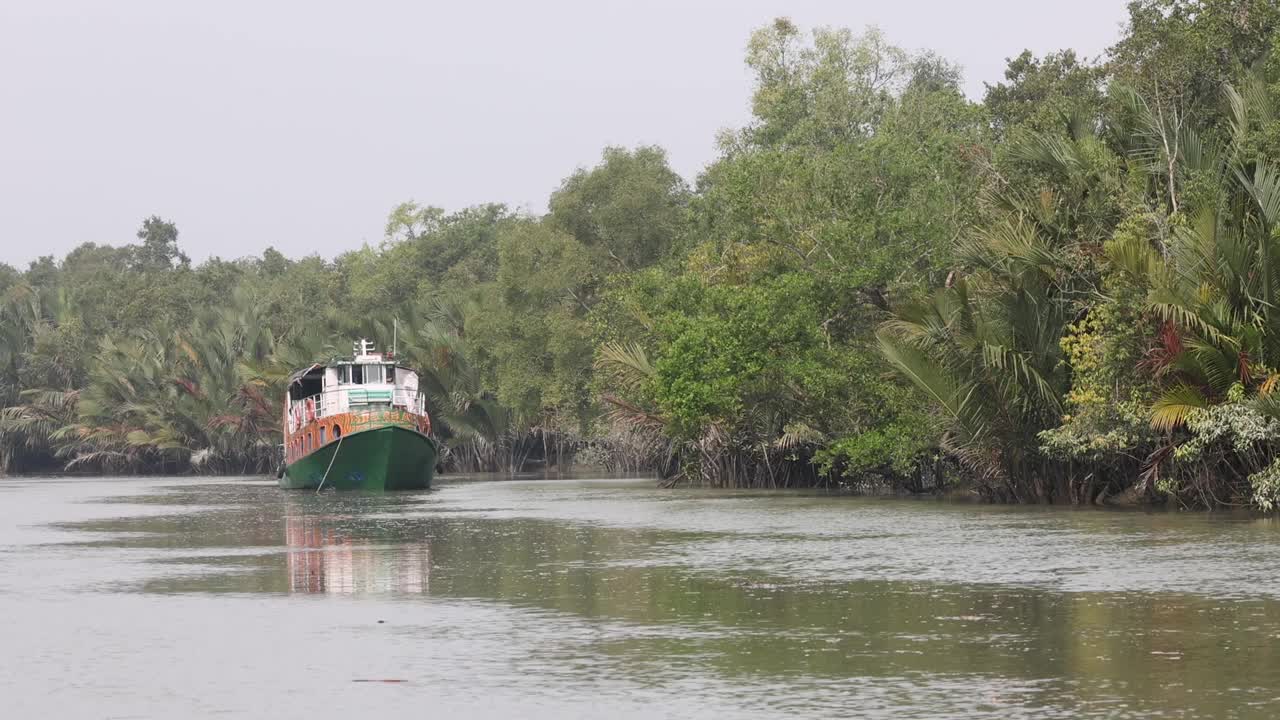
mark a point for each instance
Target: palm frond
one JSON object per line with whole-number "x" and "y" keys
{"x": 1171, "y": 409}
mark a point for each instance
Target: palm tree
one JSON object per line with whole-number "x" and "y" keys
{"x": 28, "y": 417}
{"x": 636, "y": 434}
{"x": 1216, "y": 282}
{"x": 986, "y": 349}
{"x": 179, "y": 400}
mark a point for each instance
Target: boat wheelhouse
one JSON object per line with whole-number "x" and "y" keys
{"x": 360, "y": 422}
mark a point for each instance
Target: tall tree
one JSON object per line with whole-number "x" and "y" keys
{"x": 630, "y": 209}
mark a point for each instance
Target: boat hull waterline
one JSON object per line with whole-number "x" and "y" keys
{"x": 383, "y": 458}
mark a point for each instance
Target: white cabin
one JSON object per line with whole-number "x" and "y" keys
{"x": 368, "y": 380}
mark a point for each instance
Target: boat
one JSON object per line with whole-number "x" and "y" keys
{"x": 357, "y": 423}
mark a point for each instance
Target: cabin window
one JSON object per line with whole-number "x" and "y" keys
{"x": 322, "y": 435}
{"x": 308, "y": 385}
{"x": 357, "y": 374}
{"x": 391, "y": 374}
{"x": 308, "y": 442}
{"x": 337, "y": 431}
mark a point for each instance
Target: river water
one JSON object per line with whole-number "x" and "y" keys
{"x": 189, "y": 598}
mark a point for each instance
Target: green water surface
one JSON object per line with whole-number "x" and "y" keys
{"x": 189, "y": 598}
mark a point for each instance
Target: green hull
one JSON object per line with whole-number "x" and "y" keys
{"x": 385, "y": 458}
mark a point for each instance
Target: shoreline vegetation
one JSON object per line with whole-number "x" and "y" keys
{"x": 1068, "y": 293}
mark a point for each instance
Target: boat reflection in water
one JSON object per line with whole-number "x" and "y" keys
{"x": 323, "y": 559}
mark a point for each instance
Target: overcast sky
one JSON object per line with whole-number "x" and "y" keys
{"x": 300, "y": 124}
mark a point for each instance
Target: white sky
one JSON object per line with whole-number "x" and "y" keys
{"x": 300, "y": 124}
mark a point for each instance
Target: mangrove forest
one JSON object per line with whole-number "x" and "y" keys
{"x": 1066, "y": 291}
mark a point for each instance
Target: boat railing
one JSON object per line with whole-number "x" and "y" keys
{"x": 344, "y": 399}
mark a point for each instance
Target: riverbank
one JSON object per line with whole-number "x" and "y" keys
{"x": 1128, "y": 501}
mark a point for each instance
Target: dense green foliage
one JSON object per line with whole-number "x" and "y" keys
{"x": 1064, "y": 293}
